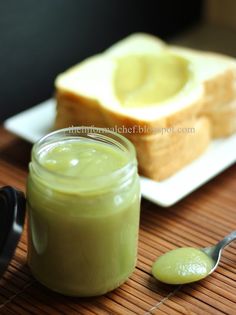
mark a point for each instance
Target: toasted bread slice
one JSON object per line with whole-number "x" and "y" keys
{"x": 140, "y": 85}
{"x": 91, "y": 84}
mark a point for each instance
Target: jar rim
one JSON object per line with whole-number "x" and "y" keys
{"x": 96, "y": 134}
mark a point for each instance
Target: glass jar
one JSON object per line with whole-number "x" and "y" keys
{"x": 83, "y": 229}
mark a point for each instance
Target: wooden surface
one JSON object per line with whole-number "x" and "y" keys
{"x": 199, "y": 220}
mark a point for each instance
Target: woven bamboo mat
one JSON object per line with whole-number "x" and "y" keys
{"x": 199, "y": 220}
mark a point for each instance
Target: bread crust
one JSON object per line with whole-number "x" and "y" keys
{"x": 223, "y": 120}
{"x": 73, "y": 109}
{"x": 161, "y": 155}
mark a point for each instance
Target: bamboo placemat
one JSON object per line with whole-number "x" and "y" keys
{"x": 199, "y": 220}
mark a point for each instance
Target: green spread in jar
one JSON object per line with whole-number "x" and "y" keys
{"x": 83, "y": 204}
{"x": 82, "y": 158}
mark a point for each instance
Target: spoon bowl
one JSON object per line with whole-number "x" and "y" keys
{"x": 188, "y": 264}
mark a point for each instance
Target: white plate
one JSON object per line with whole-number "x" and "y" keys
{"x": 34, "y": 123}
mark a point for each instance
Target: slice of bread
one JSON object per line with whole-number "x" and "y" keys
{"x": 93, "y": 80}
{"x": 140, "y": 87}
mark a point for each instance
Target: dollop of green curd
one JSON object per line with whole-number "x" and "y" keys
{"x": 82, "y": 158}
{"x": 144, "y": 80}
{"x": 182, "y": 265}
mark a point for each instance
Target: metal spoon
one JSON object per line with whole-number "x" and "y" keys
{"x": 215, "y": 251}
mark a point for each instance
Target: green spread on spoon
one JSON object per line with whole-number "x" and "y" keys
{"x": 142, "y": 80}
{"x": 182, "y": 265}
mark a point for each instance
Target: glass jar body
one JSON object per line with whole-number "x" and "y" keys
{"x": 82, "y": 243}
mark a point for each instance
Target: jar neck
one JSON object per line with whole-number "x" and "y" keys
{"x": 114, "y": 180}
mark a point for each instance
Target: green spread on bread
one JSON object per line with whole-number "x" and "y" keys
{"x": 142, "y": 80}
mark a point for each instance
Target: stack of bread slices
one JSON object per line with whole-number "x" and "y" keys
{"x": 169, "y": 101}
